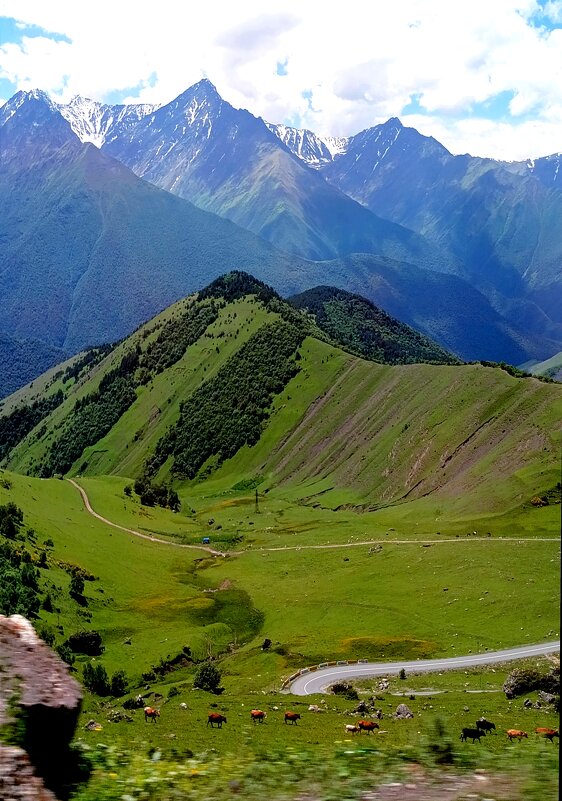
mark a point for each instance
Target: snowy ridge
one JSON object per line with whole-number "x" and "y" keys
{"x": 316, "y": 151}
{"x": 14, "y": 103}
{"x": 98, "y": 123}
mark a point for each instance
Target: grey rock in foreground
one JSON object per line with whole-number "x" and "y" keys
{"x": 17, "y": 778}
{"x": 36, "y": 681}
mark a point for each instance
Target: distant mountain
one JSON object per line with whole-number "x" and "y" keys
{"x": 22, "y": 360}
{"x": 99, "y": 123}
{"x": 503, "y": 228}
{"x": 313, "y": 150}
{"x": 546, "y": 169}
{"x": 227, "y": 161}
{"x": 88, "y": 250}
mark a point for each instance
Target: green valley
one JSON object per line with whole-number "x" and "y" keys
{"x": 266, "y": 498}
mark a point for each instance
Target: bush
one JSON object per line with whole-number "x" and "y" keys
{"x": 76, "y": 586}
{"x": 65, "y": 654}
{"x": 96, "y": 679}
{"x": 85, "y": 642}
{"x": 119, "y": 683}
{"x": 345, "y": 689}
{"x": 208, "y": 677}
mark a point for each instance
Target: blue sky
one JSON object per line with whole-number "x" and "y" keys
{"x": 484, "y": 77}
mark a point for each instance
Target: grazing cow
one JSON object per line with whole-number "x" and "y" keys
{"x": 485, "y": 725}
{"x": 367, "y": 725}
{"x": 215, "y": 717}
{"x": 550, "y": 734}
{"x": 351, "y": 729}
{"x": 150, "y": 712}
{"x": 515, "y": 734}
{"x": 475, "y": 734}
{"x": 257, "y": 714}
{"x": 292, "y": 717}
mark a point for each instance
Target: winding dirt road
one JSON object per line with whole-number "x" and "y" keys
{"x": 149, "y": 537}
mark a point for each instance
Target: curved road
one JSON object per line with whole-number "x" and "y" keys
{"x": 318, "y": 681}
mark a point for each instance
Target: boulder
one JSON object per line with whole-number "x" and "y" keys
{"x": 34, "y": 679}
{"x": 18, "y": 781}
{"x": 403, "y": 712}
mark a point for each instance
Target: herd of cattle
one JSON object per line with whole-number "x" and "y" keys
{"x": 482, "y": 727}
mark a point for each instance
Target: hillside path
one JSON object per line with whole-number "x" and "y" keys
{"x": 149, "y": 537}
{"x": 319, "y": 680}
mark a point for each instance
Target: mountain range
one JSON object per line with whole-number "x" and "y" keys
{"x": 109, "y": 213}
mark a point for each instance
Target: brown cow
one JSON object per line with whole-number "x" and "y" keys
{"x": 257, "y": 714}
{"x": 215, "y": 717}
{"x": 515, "y": 734}
{"x": 550, "y": 734}
{"x": 367, "y": 725}
{"x": 150, "y": 712}
{"x": 292, "y": 717}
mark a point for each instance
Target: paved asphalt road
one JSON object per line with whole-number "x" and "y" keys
{"x": 319, "y": 680}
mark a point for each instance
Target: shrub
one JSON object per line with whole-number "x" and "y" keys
{"x": 76, "y": 586}
{"x": 208, "y": 677}
{"x": 524, "y": 680}
{"x": 65, "y": 654}
{"x": 96, "y": 679}
{"x": 119, "y": 683}
{"x": 345, "y": 689}
{"x": 85, "y": 642}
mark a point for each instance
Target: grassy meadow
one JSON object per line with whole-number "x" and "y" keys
{"x": 389, "y": 599}
{"x": 386, "y": 513}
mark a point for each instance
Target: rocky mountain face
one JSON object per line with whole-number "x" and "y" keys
{"x": 99, "y": 123}
{"x": 90, "y": 246}
{"x": 229, "y": 162}
{"x": 313, "y": 150}
{"x": 499, "y": 225}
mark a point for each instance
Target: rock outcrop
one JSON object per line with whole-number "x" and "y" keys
{"x": 403, "y": 711}
{"x": 35, "y": 681}
{"x": 18, "y": 781}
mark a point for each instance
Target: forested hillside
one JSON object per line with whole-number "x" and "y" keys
{"x": 236, "y": 381}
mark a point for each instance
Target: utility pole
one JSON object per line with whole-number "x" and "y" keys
{"x": 257, "y": 508}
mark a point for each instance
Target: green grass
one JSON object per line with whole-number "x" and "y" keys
{"x": 346, "y": 603}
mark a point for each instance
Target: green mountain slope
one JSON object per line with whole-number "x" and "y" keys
{"x": 365, "y": 329}
{"x": 238, "y": 385}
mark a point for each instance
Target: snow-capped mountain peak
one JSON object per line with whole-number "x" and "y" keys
{"x": 22, "y": 97}
{"x": 314, "y": 150}
{"x": 97, "y": 122}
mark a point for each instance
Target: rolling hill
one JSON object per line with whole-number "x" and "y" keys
{"x": 234, "y": 381}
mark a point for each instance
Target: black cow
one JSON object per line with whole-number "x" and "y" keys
{"x": 475, "y": 734}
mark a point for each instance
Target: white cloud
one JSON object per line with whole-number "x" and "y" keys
{"x": 361, "y": 65}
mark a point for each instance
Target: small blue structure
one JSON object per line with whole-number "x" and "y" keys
{"x": 206, "y": 540}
